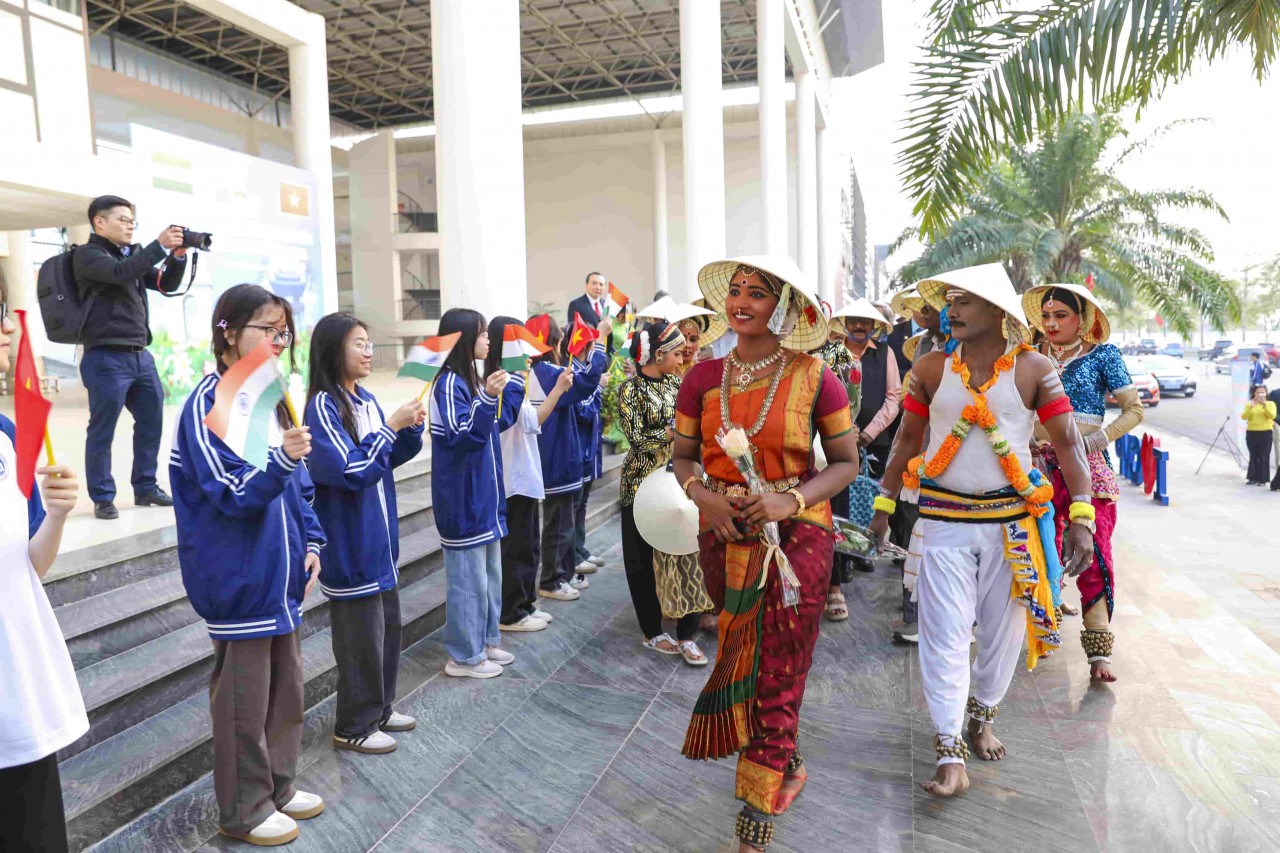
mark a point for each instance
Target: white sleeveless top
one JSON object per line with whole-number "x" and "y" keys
{"x": 976, "y": 468}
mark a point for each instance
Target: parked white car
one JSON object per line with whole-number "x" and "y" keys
{"x": 1171, "y": 373}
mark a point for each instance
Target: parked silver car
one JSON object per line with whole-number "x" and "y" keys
{"x": 1171, "y": 373}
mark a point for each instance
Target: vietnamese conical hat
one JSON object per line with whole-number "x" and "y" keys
{"x": 864, "y": 310}
{"x": 810, "y": 330}
{"x": 713, "y": 327}
{"x": 665, "y": 517}
{"x": 906, "y": 301}
{"x": 657, "y": 310}
{"x": 1094, "y": 326}
{"x": 988, "y": 282}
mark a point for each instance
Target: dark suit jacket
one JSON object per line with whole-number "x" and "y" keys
{"x": 582, "y": 305}
{"x": 119, "y": 285}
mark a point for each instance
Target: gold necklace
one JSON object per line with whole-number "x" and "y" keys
{"x": 726, "y": 391}
{"x": 746, "y": 371}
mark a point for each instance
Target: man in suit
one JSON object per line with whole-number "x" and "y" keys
{"x": 592, "y": 305}
{"x": 116, "y": 368}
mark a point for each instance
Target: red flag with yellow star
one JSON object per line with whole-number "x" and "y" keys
{"x": 540, "y": 327}
{"x": 30, "y": 412}
{"x": 581, "y": 337}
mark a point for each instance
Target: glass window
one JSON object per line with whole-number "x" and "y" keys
{"x": 71, "y": 6}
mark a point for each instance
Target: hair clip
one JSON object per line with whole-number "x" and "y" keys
{"x": 222, "y": 324}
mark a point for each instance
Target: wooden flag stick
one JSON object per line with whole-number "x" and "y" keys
{"x": 426, "y": 386}
{"x": 48, "y": 447}
{"x": 288, "y": 404}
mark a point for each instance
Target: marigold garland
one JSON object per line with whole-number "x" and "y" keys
{"x": 979, "y": 413}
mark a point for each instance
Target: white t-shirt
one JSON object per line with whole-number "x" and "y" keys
{"x": 41, "y": 710}
{"x": 521, "y": 464}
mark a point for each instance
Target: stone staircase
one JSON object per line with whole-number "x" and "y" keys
{"x": 143, "y": 659}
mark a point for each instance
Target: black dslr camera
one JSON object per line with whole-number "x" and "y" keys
{"x": 201, "y": 240}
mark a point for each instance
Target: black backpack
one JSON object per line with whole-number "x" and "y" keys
{"x": 61, "y": 308}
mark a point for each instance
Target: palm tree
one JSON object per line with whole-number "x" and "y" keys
{"x": 1058, "y": 212}
{"x": 996, "y": 76}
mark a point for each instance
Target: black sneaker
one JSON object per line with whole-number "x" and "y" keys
{"x": 106, "y": 510}
{"x": 909, "y": 633}
{"x": 157, "y": 498}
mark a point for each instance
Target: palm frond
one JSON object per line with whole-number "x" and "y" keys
{"x": 1153, "y": 137}
{"x": 948, "y": 20}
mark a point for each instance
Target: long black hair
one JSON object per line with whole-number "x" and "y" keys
{"x": 236, "y": 308}
{"x": 328, "y": 365}
{"x": 497, "y": 328}
{"x": 462, "y": 359}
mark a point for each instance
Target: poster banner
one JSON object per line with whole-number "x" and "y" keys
{"x": 1240, "y": 396}
{"x": 265, "y": 226}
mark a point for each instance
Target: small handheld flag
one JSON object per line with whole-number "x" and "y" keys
{"x": 581, "y": 337}
{"x": 426, "y": 358}
{"x": 540, "y": 327}
{"x": 518, "y": 345}
{"x": 244, "y": 403}
{"x": 617, "y": 301}
{"x": 30, "y": 413}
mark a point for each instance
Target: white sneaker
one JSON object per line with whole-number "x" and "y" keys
{"x": 564, "y": 592}
{"x": 398, "y": 723}
{"x": 543, "y": 615}
{"x": 378, "y": 743}
{"x": 304, "y": 806}
{"x": 526, "y": 623}
{"x": 579, "y": 582}
{"x": 484, "y": 669}
{"x": 586, "y": 567}
{"x": 499, "y": 656}
{"x": 597, "y": 561}
{"x": 275, "y": 830}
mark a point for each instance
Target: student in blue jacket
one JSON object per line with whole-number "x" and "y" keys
{"x": 592, "y": 437}
{"x": 560, "y": 447}
{"x": 467, "y": 493}
{"x": 354, "y": 452}
{"x": 249, "y": 548}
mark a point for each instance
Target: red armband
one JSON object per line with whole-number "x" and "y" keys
{"x": 1049, "y": 411}
{"x": 911, "y": 404}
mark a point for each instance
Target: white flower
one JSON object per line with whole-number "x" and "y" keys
{"x": 735, "y": 443}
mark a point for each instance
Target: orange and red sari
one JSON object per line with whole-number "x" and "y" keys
{"x": 751, "y": 703}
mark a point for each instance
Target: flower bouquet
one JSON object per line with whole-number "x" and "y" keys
{"x": 733, "y": 440}
{"x": 851, "y": 376}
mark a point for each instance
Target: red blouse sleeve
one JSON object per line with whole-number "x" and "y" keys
{"x": 831, "y": 407}
{"x": 700, "y": 379}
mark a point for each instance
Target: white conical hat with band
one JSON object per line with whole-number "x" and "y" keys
{"x": 906, "y": 301}
{"x": 713, "y": 327}
{"x": 664, "y": 515}
{"x": 988, "y": 282}
{"x": 810, "y": 331}
{"x": 1095, "y": 328}
{"x": 657, "y": 310}
{"x": 862, "y": 309}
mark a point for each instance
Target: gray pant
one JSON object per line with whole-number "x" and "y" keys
{"x": 557, "y": 539}
{"x": 580, "y": 551}
{"x": 255, "y": 699}
{"x": 366, "y": 647}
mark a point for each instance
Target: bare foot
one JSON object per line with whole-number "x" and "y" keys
{"x": 1100, "y": 670}
{"x": 1068, "y": 610}
{"x": 744, "y": 847}
{"x": 985, "y": 744}
{"x": 947, "y": 781}
{"x": 792, "y": 785}
{"x": 709, "y": 623}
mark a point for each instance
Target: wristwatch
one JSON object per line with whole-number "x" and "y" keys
{"x": 1090, "y": 524}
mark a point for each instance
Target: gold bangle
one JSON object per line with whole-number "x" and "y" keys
{"x": 689, "y": 482}
{"x": 795, "y": 493}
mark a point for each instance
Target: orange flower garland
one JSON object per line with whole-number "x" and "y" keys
{"x": 979, "y": 413}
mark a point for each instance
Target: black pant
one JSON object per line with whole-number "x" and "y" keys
{"x": 115, "y": 381}
{"x": 366, "y": 647}
{"x": 31, "y": 815}
{"x": 637, "y": 558}
{"x": 580, "y": 551}
{"x": 521, "y": 551}
{"x": 1259, "y": 443}
{"x": 904, "y": 520}
{"x": 557, "y": 539}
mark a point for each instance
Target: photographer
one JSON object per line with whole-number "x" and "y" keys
{"x": 113, "y": 275}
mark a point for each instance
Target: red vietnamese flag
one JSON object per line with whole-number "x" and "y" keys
{"x": 581, "y": 337}
{"x": 30, "y": 409}
{"x": 540, "y": 327}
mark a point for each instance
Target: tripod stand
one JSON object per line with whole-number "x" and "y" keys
{"x": 1227, "y": 442}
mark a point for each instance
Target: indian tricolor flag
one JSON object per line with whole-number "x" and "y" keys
{"x": 519, "y": 345}
{"x": 617, "y": 300}
{"x": 245, "y": 402}
{"x": 426, "y": 358}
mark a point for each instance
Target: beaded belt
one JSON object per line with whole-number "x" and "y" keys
{"x": 741, "y": 490}
{"x": 985, "y": 508}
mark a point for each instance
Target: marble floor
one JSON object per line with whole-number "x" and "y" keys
{"x": 576, "y": 748}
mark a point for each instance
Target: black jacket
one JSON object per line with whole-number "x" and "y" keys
{"x": 118, "y": 285}
{"x": 582, "y": 305}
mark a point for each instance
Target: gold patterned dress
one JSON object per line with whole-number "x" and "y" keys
{"x": 646, "y": 408}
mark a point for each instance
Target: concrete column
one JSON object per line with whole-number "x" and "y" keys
{"x": 703, "y": 140}
{"x": 771, "y": 24}
{"x": 661, "y": 277}
{"x": 375, "y": 265}
{"x": 309, "y": 106}
{"x": 15, "y": 272}
{"x": 828, "y": 221}
{"x": 807, "y": 175}
{"x": 475, "y": 60}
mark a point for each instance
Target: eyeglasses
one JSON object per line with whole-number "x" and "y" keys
{"x": 279, "y": 337}
{"x": 365, "y": 348}
{"x": 4, "y": 311}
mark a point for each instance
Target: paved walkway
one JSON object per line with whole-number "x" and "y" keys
{"x": 576, "y": 748}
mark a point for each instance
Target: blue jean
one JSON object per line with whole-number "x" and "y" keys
{"x": 474, "y": 603}
{"x": 121, "y": 380}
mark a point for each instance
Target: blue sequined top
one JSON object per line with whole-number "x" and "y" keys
{"x": 1088, "y": 378}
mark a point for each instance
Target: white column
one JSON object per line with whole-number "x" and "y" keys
{"x": 771, "y": 66}
{"x": 660, "y": 258}
{"x": 703, "y": 140}
{"x": 309, "y": 109}
{"x": 375, "y": 265}
{"x": 475, "y": 60}
{"x": 827, "y": 286}
{"x": 807, "y": 175}
{"x": 15, "y": 272}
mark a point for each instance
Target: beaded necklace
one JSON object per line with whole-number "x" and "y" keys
{"x": 1063, "y": 356}
{"x": 746, "y": 372}
{"x": 733, "y": 363}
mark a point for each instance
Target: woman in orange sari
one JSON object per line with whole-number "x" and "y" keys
{"x": 763, "y": 403}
